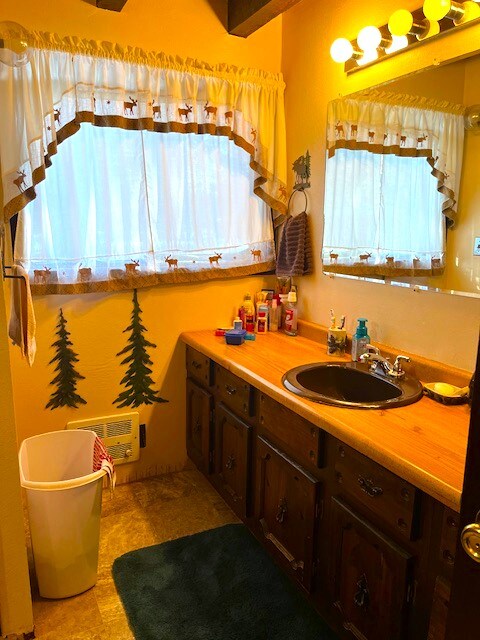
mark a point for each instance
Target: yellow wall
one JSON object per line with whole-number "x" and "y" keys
{"x": 465, "y": 267}
{"x": 15, "y": 603}
{"x": 191, "y": 28}
{"x": 438, "y": 326}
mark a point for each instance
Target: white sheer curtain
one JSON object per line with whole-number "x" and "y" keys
{"x": 392, "y": 182}
{"x": 57, "y": 84}
{"x": 381, "y": 211}
{"x": 181, "y": 205}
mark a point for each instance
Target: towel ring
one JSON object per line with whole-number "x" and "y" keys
{"x": 288, "y": 214}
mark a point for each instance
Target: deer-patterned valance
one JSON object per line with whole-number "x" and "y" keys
{"x": 60, "y": 83}
{"x": 388, "y": 123}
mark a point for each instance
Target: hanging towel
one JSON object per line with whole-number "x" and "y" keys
{"x": 295, "y": 253}
{"x": 103, "y": 460}
{"x": 22, "y": 325}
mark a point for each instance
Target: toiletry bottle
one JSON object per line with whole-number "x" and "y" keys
{"x": 261, "y": 324}
{"x": 237, "y": 323}
{"x": 273, "y": 325}
{"x": 282, "y": 304}
{"x": 249, "y": 313}
{"x": 360, "y": 340}
{"x": 290, "y": 326}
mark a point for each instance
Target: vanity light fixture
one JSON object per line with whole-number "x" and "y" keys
{"x": 404, "y": 30}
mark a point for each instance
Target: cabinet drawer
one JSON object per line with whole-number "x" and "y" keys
{"x": 448, "y": 543}
{"x": 392, "y": 499}
{"x": 234, "y": 392}
{"x": 293, "y": 434}
{"x": 199, "y": 366}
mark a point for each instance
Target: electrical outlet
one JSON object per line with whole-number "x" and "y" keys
{"x": 476, "y": 247}
{"x": 143, "y": 436}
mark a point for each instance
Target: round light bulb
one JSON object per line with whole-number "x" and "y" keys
{"x": 472, "y": 12}
{"x": 341, "y": 50}
{"x": 432, "y": 28}
{"x": 400, "y": 22}
{"x": 369, "y": 38}
{"x": 369, "y": 56}
{"x": 398, "y": 43}
{"x": 436, "y": 9}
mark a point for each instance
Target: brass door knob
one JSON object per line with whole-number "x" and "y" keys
{"x": 471, "y": 541}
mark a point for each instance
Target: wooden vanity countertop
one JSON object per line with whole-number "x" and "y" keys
{"x": 424, "y": 443}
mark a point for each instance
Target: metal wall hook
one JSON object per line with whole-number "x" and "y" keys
{"x": 300, "y": 190}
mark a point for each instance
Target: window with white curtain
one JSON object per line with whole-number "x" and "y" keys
{"x": 383, "y": 212}
{"x": 167, "y": 204}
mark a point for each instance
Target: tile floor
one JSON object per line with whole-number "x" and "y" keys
{"x": 140, "y": 514}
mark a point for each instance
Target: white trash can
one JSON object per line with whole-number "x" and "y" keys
{"x": 64, "y": 507}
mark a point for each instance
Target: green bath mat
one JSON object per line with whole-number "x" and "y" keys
{"x": 215, "y": 585}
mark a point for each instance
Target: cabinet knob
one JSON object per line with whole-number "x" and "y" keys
{"x": 230, "y": 390}
{"x": 197, "y": 426}
{"x": 230, "y": 463}
{"x": 281, "y": 511}
{"x": 362, "y": 595}
{"x": 367, "y": 486}
{"x": 196, "y": 365}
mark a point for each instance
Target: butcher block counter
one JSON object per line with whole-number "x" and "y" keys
{"x": 424, "y": 443}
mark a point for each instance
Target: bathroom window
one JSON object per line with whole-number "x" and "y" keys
{"x": 121, "y": 207}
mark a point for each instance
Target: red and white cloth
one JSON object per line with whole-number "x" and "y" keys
{"x": 103, "y": 460}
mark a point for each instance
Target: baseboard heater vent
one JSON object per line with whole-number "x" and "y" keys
{"x": 120, "y": 434}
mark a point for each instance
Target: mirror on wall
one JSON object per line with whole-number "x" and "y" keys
{"x": 455, "y": 83}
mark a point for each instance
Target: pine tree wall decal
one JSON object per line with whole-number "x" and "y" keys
{"x": 139, "y": 385}
{"x": 66, "y": 379}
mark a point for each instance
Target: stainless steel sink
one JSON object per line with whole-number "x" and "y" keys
{"x": 351, "y": 384}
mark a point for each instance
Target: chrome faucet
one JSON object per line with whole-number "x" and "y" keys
{"x": 376, "y": 360}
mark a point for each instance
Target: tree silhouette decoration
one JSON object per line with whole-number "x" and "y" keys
{"x": 139, "y": 385}
{"x": 66, "y": 379}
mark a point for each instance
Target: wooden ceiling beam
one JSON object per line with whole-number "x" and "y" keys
{"x": 109, "y": 5}
{"x": 246, "y": 16}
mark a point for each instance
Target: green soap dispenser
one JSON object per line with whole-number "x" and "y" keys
{"x": 360, "y": 340}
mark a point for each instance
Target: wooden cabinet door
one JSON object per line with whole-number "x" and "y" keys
{"x": 286, "y": 506}
{"x": 199, "y": 426}
{"x": 233, "y": 459}
{"x": 370, "y": 577}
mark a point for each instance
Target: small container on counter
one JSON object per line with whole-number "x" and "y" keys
{"x": 336, "y": 342}
{"x": 235, "y": 336}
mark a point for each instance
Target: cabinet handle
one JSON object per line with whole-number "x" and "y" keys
{"x": 297, "y": 565}
{"x": 282, "y": 510}
{"x": 197, "y": 426}
{"x": 361, "y": 598}
{"x": 230, "y": 390}
{"x": 230, "y": 463}
{"x": 196, "y": 365}
{"x": 367, "y": 486}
